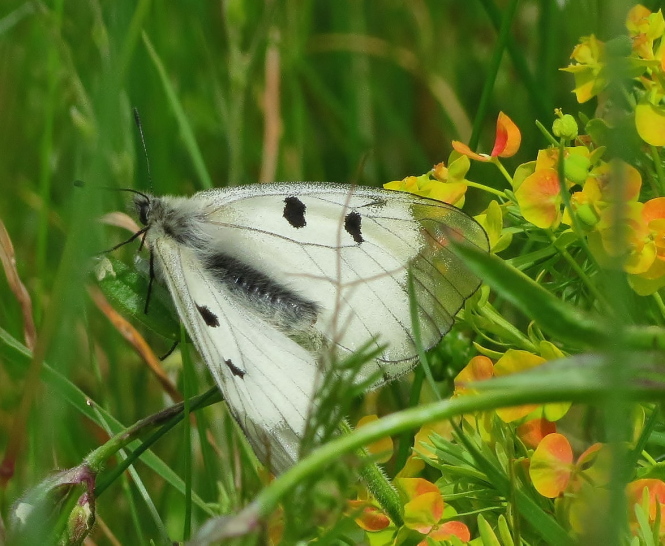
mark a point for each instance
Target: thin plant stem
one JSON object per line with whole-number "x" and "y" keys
{"x": 165, "y": 420}
{"x": 188, "y": 371}
{"x": 660, "y": 172}
{"x": 659, "y": 302}
{"x": 488, "y": 189}
{"x": 531, "y": 83}
{"x": 503, "y": 170}
{"x": 377, "y": 483}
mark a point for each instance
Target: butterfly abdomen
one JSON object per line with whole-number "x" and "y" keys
{"x": 279, "y": 305}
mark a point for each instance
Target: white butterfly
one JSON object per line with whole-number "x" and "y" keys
{"x": 265, "y": 276}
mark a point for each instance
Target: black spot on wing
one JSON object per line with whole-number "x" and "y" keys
{"x": 294, "y": 212}
{"x": 352, "y": 225}
{"x": 234, "y": 369}
{"x": 208, "y": 316}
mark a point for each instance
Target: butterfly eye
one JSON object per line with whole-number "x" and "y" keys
{"x": 142, "y": 204}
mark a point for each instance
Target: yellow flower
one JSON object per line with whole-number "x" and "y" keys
{"x": 632, "y": 235}
{"x": 539, "y": 198}
{"x": 644, "y": 27}
{"x": 589, "y": 70}
{"x": 448, "y": 184}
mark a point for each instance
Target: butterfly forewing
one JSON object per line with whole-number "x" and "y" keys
{"x": 441, "y": 280}
{"x": 349, "y": 250}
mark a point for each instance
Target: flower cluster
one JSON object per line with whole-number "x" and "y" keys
{"x": 574, "y": 186}
{"x": 426, "y": 516}
{"x": 603, "y": 205}
{"x": 578, "y": 486}
{"x": 579, "y": 202}
{"x": 641, "y": 57}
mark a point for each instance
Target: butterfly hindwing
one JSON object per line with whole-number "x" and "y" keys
{"x": 267, "y": 379}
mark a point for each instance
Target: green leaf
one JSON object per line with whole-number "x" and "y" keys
{"x": 559, "y": 319}
{"x": 185, "y": 127}
{"x": 127, "y": 291}
{"x": 486, "y": 533}
{"x": 584, "y": 372}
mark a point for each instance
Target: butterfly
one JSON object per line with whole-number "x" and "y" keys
{"x": 267, "y": 276}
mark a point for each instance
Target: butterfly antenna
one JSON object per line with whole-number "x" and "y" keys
{"x": 130, "y": 190}
{"x": 137, "y": 120}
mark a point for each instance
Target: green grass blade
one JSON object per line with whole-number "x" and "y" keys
{"x": 186, "y": 131}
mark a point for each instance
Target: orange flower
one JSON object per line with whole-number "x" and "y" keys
{"x": 481, "y": 368}
{"x": 539, "y": 198}
{"x": 533, "y": 431}
{"x": 652, "y": 278}
{"x": 617, "y": 181}
{"x": 537, "y": 188}
{"x": 607, "y": 183}
{"x": 422, "y": 443}
{"x": 367, "y": 516}
{"x": 514, "y": 361}
{"x": 551, "y": 465}
{"x": 424, "y": 506}
{"x": 424, "y": 511}
{"x": 506, "y": 143}
{"x": 644, "y": 27}
{"x": 624, "y": 238}
{"x": 637, "y": 20}
{"x": 586, "y": 492}
{"x": 637, "y": 243}
{"x": 653, "y": 497}
{"x": 446, "y": 531}
{"x": 552, "y": 470}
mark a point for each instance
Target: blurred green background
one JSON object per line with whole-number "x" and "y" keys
{"x": 229, "y": 93}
